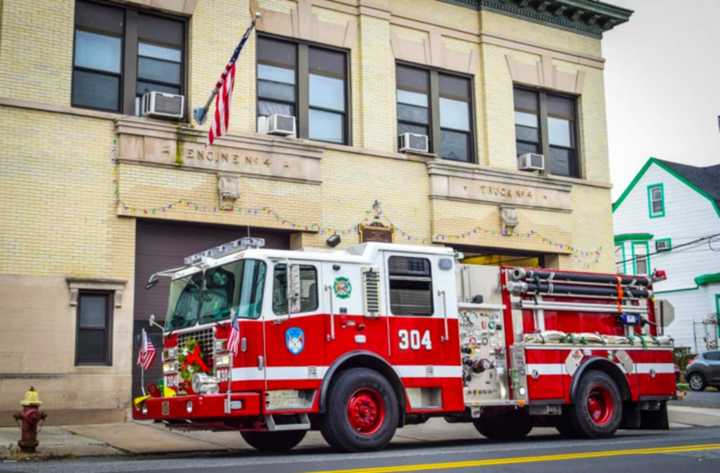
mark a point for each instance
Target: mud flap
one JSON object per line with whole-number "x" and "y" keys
{"x": 647, "y": 417}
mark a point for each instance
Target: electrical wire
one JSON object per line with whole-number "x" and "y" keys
{"x": 707, "y": 238}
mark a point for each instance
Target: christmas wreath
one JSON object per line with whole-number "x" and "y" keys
{"x": 191, "y": 361}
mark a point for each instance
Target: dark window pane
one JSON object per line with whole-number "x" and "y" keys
{"x": 143, "y": 87}
{"x": 91, "y": 346}
{"x": 326, "y": 126}
{"x": 409, "y": 78}
{"x": 277, "y": 91}
{"x": 160, "y": 52}
{"x": 454, "y": 114}
{"x": 527, "y": 134}
{"x": 454, "y": 87}
{"x": 276, "y": 53}
{"x": 96, "y": 90}
{"x": 523, "y": 148}
{"x": 97, "y": 51}
{"x": 525, "y": 100}
{"x": 161, "y": 30}
{"x": 163, "y": 71}
{"x": 410, "y": 286}
{"x": 412, "y": 114}
{"x": 455, "y": 145}
{"x": 561, "y": 107}
{"x": 408, "y": 128}
{"x": 276, "y": 74}
{"x": 560, "y": 132}
{"x": 308, "y": 289}
{"x": 93, "y": 311}
{"x": 562, "y": 162}
{"x": 327, "y": 92}
{"x": 99, "y": 17}
{"x": 327, "y": 62}
{"x": 266, "y": 108}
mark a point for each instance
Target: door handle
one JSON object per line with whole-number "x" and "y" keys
{"x": 445, "y": 337}
{"x": 331, "y": 335}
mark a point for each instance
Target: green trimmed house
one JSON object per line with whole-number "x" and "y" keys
{"x": 669, "y": 218}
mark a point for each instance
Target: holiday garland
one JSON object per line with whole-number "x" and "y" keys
{"x": 191, "y": 361}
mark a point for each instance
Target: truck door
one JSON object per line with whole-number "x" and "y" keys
{"x": 424, "y": 334}
{"x": 295, "y": 335}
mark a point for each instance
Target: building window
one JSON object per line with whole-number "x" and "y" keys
{"x": 620, "y": 258}
{"x": 410, "y": 286}
{"x": 663, "y": 244}
{"x": 641, "y": 258}
{"x": 94, "y": 328}
{"x": 121, "y": 53}
{"x": 438, "y": 105}
{"x": 307, "y": 82}
{"x": 546, "y": 123}
{"x": 656, "y": 201}
{"x": 308, "y": 289}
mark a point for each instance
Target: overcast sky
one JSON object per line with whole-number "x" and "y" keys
{"x": 662, "y": 83}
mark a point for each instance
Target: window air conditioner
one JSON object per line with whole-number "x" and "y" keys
{"x": 276, "y": 124}
{"x": 531, "y": 162}
{"x": 413, "y": 142}
{"x": 160, "y": 104}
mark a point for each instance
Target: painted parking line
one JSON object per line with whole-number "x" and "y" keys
{"x": 530, "y": 459}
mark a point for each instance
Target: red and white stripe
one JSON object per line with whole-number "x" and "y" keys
{"x": 147, "y": 353}
{"x": 221, "y": 119}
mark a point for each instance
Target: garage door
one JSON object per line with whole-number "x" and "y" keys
{"x": 161, "y": 245}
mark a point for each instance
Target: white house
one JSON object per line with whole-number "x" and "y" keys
{"x": 669, "y": 218}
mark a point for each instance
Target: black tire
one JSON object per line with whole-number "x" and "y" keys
{"x": 372, "y": 399}
{"x": 696, "y": 382}
{"x": 597, "y": 408}
{"x": 506, "y": 427}
{"x": 278, "y": 442}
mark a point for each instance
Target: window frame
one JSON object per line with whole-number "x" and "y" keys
{"x": 646, "y": 245}
{"x": 302, "y": 86}
{"x": 650, "y": 189}
{"x": 129, "y": 56}
{"x": 109, "y": 316}
{"x": 435, "y": 137}
{"x": 542, "y": 95}
{"x": 314, "y": 267}
{"x": 432, "y": 285}
{"x": 669, "y": 242}
{"x": 624, "y": 263}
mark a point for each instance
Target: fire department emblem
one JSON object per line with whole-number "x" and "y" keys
{"x": 342, "y": 287}
{"x": 295, "y": 340}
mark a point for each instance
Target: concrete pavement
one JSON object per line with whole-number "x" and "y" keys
{"x": 143, "y": 438}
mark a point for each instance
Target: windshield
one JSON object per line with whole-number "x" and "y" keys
{"x": 209, "y": 296}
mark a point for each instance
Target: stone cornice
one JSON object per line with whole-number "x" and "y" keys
{"x": 588, "y": 17}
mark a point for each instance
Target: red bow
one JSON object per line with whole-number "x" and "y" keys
{"x": 195, "y": 357}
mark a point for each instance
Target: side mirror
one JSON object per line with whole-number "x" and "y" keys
{"x": 293, "y": 289}
{"x": 152, "y": 281}
{"x": 152, "y": 322}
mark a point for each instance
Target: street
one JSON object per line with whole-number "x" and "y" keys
{"x": 655, "y": 451}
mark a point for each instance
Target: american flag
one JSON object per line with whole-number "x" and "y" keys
{"x": 224, "y": 89}
{"x": 233, "y": 342}
{"x": 147, "y": 353}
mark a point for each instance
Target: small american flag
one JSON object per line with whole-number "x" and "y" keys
{"x": 224, "y": 88}
{"x": 233, "y": 342}
{"x": 147, "y": 353}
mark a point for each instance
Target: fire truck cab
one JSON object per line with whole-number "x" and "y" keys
{"x": 358, "y": 342}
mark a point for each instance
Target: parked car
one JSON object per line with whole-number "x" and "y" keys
{"x": 704, "y": 371}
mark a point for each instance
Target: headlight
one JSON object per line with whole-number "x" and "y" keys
{"x": 144, "y": 410}
{"x": 204, "y": 384}
{"x": 189, "y": 407}
{"x": 170, "y": 367}
{"x": 220, "y": 345}
{"x": 170, "y": 353}
{"x": 222, "y": 360}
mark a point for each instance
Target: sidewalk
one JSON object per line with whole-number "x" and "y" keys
{"x": 141, "y": 438}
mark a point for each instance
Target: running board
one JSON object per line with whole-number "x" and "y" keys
{"x": 279, "y": 422}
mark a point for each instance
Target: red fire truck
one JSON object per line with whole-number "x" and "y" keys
{"x": 358, "y": 342}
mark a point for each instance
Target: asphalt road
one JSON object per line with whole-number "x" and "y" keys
{"x": 695, "y": 449}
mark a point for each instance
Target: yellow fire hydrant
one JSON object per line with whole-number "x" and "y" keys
{"x": 31, "y": 418}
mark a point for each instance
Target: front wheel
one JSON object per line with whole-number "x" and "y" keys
{"x": 362, "y": 411}
{"x": 696, "y": 382}
{"x": 597, "y": 408}
{"x": 278, "y": 442}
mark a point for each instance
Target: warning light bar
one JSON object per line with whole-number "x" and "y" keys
{"x": 225, "y": 249}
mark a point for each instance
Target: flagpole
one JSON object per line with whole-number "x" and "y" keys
{"x": 142, "y": 365}
{"x": 200, "y": 113}
{"x": 230, "y": 370}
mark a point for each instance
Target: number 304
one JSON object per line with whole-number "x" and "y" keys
{"x": 411, "y": 339}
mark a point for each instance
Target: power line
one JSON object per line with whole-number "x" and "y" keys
{"x": 683, "y": 245}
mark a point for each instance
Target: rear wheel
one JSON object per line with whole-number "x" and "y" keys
{"x": 597, "y": 410}
{"x": 696, "y": 381}
{"x": 274, "y": 441}
{"x": 504, "y": 427}
{"x": 362, "y": 410}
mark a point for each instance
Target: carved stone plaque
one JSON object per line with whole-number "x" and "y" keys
{"x": 376, "y": 231}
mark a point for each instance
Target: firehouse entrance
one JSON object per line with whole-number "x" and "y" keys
{"x": 162, "y": 245}
{"x": 502, "y": 257}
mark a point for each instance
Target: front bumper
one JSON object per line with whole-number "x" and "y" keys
{"x": 199, "y": 407}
